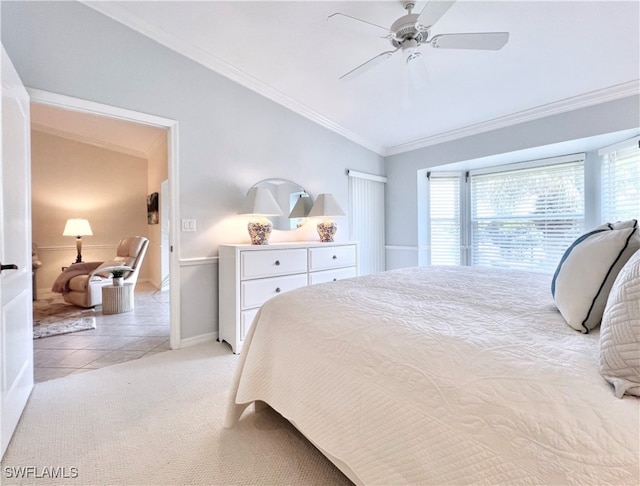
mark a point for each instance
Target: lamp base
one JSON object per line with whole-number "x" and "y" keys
{"x": 326, "y": 230}
{"x": 79, "y": 248}
{"x": 259, "y": 231}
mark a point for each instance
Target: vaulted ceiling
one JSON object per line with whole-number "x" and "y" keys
{"x": 561, "y": 55}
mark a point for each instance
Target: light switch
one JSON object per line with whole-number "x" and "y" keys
{"x": 188, "y": 225}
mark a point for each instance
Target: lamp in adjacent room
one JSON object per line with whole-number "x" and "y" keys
{"x": 301, "y": 209}
{"x": 77, "y": 228}
{"x": 260, "y": 203}
{"x": 326, "y": 207}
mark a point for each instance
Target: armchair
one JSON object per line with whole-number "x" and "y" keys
{"x": 86, "y": 290}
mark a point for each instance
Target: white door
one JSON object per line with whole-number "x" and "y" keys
{"x": 16, "y": 311}
{"x": 164, "y": 235}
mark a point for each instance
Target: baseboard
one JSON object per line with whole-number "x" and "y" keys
{"x": 202, "y": 338}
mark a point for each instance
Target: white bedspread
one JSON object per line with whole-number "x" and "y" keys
{"x": 441, "y": 375}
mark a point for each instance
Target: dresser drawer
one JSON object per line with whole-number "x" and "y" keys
{"x": 331, "y": 275}
{"x": 269, "y": 263}
{"x": 257, "y": 292}
{"x": 332, "y": 257}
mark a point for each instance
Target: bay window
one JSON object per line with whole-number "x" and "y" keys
{"x": 526, "y": 216}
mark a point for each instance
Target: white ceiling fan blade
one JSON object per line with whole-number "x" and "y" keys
{"x": 366, "y": 66}
{"x": 370, "y": 24}
{"x": 431, "y": 13}
{"x": 491, "y": 41}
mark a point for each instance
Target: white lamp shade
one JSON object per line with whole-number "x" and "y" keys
{"x": 301, "y": 208}
{"x": 77, "y": 227}
{"x": 327, "y": 206}
{"x": 259, "y": 200}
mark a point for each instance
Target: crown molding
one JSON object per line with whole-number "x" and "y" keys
{"x": 205, "y": 58}
{"x": 604, "y": 95}
{"x": 122, "y": 15}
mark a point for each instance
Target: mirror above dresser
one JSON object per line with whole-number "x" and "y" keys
{"x": 289, "y": 196}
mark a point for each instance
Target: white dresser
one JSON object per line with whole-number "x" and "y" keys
{"x": 249, "y": 275}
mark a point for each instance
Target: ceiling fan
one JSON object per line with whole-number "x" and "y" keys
{"x": 411, "y": 31}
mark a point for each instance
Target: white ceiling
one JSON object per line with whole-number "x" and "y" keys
{"x": 561, "y": 55}
{"x": 134, "y": 139}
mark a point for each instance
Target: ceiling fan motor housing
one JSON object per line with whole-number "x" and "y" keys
{"x": 405, "y": 29}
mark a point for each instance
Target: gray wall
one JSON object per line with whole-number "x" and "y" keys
{"x": 406, "y": 181}
{"x": 230, "y": 137}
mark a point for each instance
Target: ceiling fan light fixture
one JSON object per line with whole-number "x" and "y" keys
{"x": 413, "y": 56}
{"x": 410, "y": 47}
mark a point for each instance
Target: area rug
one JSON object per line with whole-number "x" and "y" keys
{"x": 53, "y": 316}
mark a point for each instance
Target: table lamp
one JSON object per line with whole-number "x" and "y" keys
{"x": 259, "y": 203}
{"x": 326, "y": 207}
{"x": 301, "y": 209}
{"x": 77, "y": 228}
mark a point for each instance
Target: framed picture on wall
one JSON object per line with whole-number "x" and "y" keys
{"x": 152, "y": 208}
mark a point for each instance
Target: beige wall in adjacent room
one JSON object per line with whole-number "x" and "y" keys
{"x": 70, "y": 179}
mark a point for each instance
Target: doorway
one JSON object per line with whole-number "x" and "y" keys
{"x": 135, "y": 138}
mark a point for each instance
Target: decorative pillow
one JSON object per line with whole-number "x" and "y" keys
{"x": 587, "y": 270}
{"x": 620, "y": 331}
{"x": 107, "y": 265}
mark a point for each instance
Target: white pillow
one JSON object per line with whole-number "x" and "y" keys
{"x": 620, "y": 331}
{"x": 587, "y": 270}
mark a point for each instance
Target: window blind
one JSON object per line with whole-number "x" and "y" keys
{"x": 620, "y": 182}
{"x": 526, "y": 217}
{"x": 444, "y": 220}
{"x": 366, "y": 219}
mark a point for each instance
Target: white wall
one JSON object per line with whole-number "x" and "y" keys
{"x": 70, "y": 179}
{"x": 406, "y": 181}
{"x": 230, "y": 137}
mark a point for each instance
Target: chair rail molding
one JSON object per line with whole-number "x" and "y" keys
{"x": 73, "y": 247}
{"x": 191, "y": 262}
{"x": 404, "y": 247}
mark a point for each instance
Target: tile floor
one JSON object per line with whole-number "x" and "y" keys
{"x": 117, "y": 338}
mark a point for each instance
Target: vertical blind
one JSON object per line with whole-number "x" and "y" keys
{"x": 526, "y": 217}
{"x": 366, "y": 219}
{"x": 444, "y": 220}
{"x": 620, "y": 182}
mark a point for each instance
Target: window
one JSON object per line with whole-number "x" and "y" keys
{"x": 527, "y": 215}
{"x": 620, "y": 181}
{"x": 444, "y": 219}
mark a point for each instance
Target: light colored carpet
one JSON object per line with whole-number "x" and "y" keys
{"x": 53, "y": 316}
{"x": 158, "y": 420}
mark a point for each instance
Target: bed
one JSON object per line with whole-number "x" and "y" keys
{"x": 440, "y": 375}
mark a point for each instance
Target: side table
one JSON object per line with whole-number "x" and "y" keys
{"x": 117, "y": 298}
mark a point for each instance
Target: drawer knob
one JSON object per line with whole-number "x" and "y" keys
{"x": 277, "y": 263}
{"x": 335, "y": 257}
{"x": 335, "y": 279}
{"x": 277, "y": 290}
